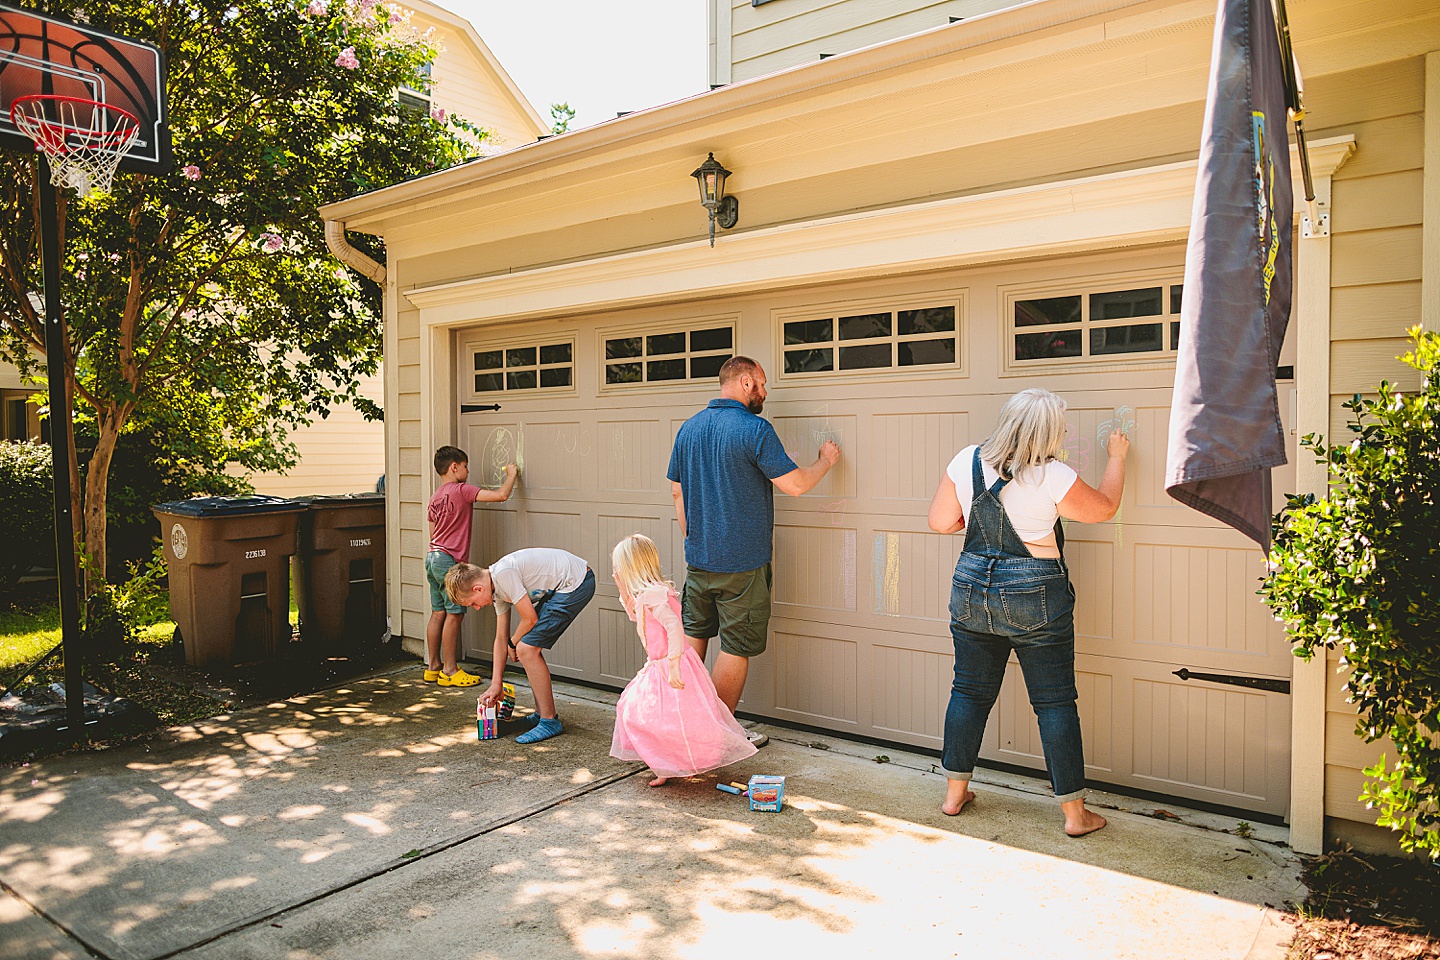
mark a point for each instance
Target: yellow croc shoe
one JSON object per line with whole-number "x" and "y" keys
{"x": 458, "y": 679}
{"x": 432, "y": 676}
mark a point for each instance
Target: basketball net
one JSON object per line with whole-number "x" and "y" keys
{"x": 83, "y": 155}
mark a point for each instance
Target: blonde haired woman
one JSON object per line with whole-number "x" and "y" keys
{"x": 1011, "y": 589}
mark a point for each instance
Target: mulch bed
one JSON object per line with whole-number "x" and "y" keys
{"x": 1369, "y": 907}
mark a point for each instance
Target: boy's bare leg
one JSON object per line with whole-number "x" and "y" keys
{"x": 729, "y": 676}
{"x": 433, "y": 629}
{"x": 538, "y": 673}
{"x": 450, "y": 640}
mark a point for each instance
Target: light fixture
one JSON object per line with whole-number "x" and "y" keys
{"x": 723, "y": 210}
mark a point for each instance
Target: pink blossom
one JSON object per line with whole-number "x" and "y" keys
{"x": 347, "y": 59}
{"x": 270, "y": 242}
{"x": 438, "y": 114}
{"x": 317, "y": 8}
{"x": 397, "y": 16}
{"x": 192, "y": 172}
{"x": 365, "y": 7}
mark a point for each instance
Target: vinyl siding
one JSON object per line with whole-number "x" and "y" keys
{"x": 786, "y": 33}
{"x": 1376, "y": 239}
{"x": 343, "y": 453}
{"x": 466, "y": 85}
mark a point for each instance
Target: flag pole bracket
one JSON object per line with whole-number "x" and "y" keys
{"x": 1316, "y": 221}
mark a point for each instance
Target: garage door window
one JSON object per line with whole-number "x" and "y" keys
{"x": 873, "y": 340}
{"x": 668, "y": 356}
{"x": 1105, "y": 323}
{"x": 524, "y": 366}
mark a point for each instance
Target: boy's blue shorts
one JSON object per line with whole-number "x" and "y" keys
{"x": 437, "y": 564}
{"x": 557, "y": 612}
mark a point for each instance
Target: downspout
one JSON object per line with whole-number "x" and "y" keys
{"x": 353, "y": 258}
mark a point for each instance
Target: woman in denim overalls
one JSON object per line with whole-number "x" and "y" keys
{"x": 1013, "y": 592}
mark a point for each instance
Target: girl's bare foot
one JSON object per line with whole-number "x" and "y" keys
{"x": 659, "y": 781}
{"x": 1087, "y": 822}
{"x": 957, "y": 794}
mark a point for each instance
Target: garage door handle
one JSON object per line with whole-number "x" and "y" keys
{"x": 1255, "y": 683}
{"x": 478, "y": 407}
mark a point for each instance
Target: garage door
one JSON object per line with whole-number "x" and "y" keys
{"x": 860, "y": 642}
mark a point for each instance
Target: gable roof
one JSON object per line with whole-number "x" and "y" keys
{"x": 465, "y": 32}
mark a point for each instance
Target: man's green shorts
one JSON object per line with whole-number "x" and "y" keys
{"x": 734, "y": 605}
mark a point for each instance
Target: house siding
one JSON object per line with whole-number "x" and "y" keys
{"x": 1376, "y": 267}
{"x": 786, "y": 33}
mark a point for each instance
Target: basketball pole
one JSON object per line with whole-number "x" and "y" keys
{"x": 65, "y": 560}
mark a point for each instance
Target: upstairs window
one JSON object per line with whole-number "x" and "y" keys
{"x": 676, "y": 354}
{"x": 420, "y": 99}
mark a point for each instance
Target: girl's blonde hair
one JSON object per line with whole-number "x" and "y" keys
{"x": 1029, "y": 434}
{"x": 637, "y": 563}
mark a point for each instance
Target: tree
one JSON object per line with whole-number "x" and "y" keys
{"x": 1359, "y": 572}
{"x": 561, "y": 114}
{"x": 207, "y": 295}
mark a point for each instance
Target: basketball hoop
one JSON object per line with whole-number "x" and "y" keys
{"x": 83, "y": 155}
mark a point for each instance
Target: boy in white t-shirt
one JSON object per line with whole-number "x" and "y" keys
{"x": 547, "y": 589}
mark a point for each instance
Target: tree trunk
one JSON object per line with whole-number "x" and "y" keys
{"x": 97, "y": 483}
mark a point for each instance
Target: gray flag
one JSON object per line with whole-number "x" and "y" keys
{"x": 1225, "y": 431}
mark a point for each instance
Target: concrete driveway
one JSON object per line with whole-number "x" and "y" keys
{"x": 367, "y": 821}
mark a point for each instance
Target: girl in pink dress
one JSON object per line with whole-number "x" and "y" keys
{"x": 669, "y": 715}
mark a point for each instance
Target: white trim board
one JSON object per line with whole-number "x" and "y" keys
{"x": 1135, "y": 207}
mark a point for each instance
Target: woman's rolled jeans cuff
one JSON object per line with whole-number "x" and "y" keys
{"x": 1080, "y": 794}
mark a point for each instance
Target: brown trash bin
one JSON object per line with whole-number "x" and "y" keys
{"x": 229, "y": 560}
{"x": 340, "y": 574}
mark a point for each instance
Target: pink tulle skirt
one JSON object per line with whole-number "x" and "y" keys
{"x": 677, "y": 733}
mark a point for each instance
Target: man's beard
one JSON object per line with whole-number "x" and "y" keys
{"x": 756, "y": 403}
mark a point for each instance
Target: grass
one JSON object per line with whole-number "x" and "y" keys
{"x": 148, "y": 669}
{"x": 144, "y": 670}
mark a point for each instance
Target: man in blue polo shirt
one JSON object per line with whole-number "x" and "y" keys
{"x": 722, "y": 468}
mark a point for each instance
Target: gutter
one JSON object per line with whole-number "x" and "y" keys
{"x": 351, "y": 257}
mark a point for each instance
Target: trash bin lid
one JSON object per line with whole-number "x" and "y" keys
{"x": 327, "y": 500}
{"x": 228, "y": 506}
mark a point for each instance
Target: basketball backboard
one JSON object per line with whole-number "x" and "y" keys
{"x": 42, "y": 54}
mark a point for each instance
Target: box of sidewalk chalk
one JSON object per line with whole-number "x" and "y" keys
{"x": 767, "y": 793}
{"x": 487, "y": 719}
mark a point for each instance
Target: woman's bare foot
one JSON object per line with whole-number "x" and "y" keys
{"x": 957, "y": 794}
{"x": 1088, "y": 821}
{"x": 659, "y": 781}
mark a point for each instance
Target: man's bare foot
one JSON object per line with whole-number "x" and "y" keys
{"x": 659, "y": 781}
{"x": 956, "y": 797}
{"x": 1087, "y": 822}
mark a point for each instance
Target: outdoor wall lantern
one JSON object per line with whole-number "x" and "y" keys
{"x": 723, "y": 210}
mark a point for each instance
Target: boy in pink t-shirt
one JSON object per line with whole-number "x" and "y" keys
{"x": 449, "y": 515}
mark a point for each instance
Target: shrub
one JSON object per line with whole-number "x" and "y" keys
{"x": 1359, "y": 572}
{"x": 27, "y": 537}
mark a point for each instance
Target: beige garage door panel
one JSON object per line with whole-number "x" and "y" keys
{"x": 871, "y": 682}
{"x": 1147, "y": 728}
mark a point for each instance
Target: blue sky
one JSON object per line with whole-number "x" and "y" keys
{"x": 601, "y": 58}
